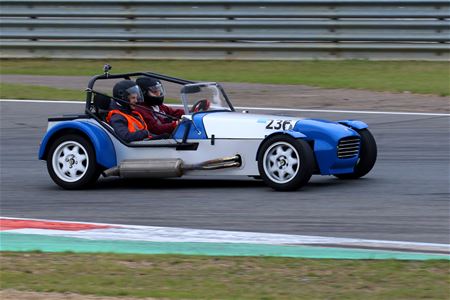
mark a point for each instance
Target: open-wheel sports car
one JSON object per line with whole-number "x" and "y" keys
{"x": 214, "y": 140}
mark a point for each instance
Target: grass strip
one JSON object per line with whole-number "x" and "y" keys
{"x": 397, "y": 76}
{"x": 193, "y": 277}
{"x": 36, "y": 92}
{"x": 30, "y": 242}
{"x": 21, "y": 91}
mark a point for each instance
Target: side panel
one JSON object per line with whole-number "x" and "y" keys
{"x": 245, "y": 126}
{"x": 104, "y": 148}
{"x": 246, "y": 148}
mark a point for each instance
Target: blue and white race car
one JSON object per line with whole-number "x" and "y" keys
{"x": 282, "y": 151}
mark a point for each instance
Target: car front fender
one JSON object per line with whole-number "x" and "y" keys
{"x": 294, "y": 134}
{"x": 104, "y": 149}
{"x": 354, "y": 124}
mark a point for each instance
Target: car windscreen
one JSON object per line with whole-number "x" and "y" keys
{"x": 202, "y": 97}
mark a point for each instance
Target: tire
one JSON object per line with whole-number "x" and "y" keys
{"x": 367, "y": 156}
{"x": 285, "y": 163}
{"x": 71, "y": 162}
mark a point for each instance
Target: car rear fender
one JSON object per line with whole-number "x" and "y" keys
{"x": 104, "y": 149}
{"x": 354, "y": 124}
{"x": 294, "y": 134}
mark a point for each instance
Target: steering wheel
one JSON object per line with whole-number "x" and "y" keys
{"x": 201, "y": 105}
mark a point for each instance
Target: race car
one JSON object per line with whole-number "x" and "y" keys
{"x": 212, "y": 139}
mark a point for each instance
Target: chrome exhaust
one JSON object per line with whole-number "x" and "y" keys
{"x": 164, "y": 168}
{"x": 147, "y": 168}
{"x": 214, "y": 164}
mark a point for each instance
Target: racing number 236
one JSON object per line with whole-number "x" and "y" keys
{"x": 280, "y": 124}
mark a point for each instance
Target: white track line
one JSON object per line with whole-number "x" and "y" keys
{"x": 174, "y": 234}
{"x": 267, "y": 108}
{"x": 41, "y": 101}
{"x": 348, "y": 111}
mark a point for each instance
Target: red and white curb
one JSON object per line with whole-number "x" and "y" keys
{"x": 100, "y": 231}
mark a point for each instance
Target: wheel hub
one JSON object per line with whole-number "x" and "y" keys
{"x": 282, "y": 162}
{"x": 71, "y": 160}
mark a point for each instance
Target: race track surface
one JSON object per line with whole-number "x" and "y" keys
{"x": 404, "y": 198}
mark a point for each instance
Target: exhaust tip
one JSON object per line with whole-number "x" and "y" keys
{"x": 114, "y": 171}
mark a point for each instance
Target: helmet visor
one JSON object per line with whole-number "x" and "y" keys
{"x": 156, "y": 90}
{"x": 135, "y": 91}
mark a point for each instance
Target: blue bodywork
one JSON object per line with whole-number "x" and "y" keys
{"x": 196, "y": 132}
{"x": 326, "y": 135}
{"x": 355, "y": 124}
{"x": 104, "y": 148}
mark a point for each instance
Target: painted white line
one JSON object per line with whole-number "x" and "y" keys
{"x": 267, "y": 108}
{"x": 347, "y": 111}
{"x": 173, "y": 234}
{"x": 41, "y": 101}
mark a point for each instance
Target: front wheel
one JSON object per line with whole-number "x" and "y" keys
{"x": 367, "y": 156}
{"x": 285, "y": 163}
{"x": 71, "y": 162}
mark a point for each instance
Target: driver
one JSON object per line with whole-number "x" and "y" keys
{"x": 153, "y": 102}
{"x": 128, "y": 124}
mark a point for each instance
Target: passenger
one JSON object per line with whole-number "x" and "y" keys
{"x": 128, "y": 124}
{"x": 153, "y": 92}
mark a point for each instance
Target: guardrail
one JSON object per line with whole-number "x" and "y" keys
{"x": 231, "y": 29}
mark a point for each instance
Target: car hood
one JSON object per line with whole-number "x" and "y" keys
{"x": 258, "y": 126}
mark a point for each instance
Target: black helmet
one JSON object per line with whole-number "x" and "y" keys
{"x": 152, "y": 89}
{"x": 125, "y": 88}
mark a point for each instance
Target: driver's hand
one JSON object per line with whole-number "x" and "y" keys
{"x": 207, "y": 104}
{"x": 204, "y": 106}
{"x": 175, "y": 123}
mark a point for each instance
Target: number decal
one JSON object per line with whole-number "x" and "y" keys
{"x": 287, "y": 125}
{"x": 280, "y": 124}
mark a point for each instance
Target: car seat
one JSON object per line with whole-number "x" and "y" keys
{"x": 102, "y": 105}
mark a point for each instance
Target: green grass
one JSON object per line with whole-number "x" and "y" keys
{"x": 35, "y": 92}
{"x": 413, "y": 76}
{"x": 196, "y": 277}
{"x": 21, "y": 91}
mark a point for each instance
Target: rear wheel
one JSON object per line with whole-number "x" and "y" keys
{"x": 71, "y": 162}
{"x": 367, "y": 156}
{"x": 285, "y": 163}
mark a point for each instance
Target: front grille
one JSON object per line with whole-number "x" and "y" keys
{"x": 348, "y": 147}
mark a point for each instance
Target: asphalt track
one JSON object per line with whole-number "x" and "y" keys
{"x": 404, "y": 198}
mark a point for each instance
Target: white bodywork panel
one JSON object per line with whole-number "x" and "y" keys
{"x": 234, "y": 134}
{"x": 222, "y": 148}
{"x": 236, "y": 125}
{"x": 247, "y": 150}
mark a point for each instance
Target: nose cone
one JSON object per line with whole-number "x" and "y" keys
{"x": 323, "y": 129}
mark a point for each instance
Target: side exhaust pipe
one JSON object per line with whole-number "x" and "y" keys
{"x": 147, "y": 168}
{"x": 164, "y": 168}
{"x": 219, "y": 163}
